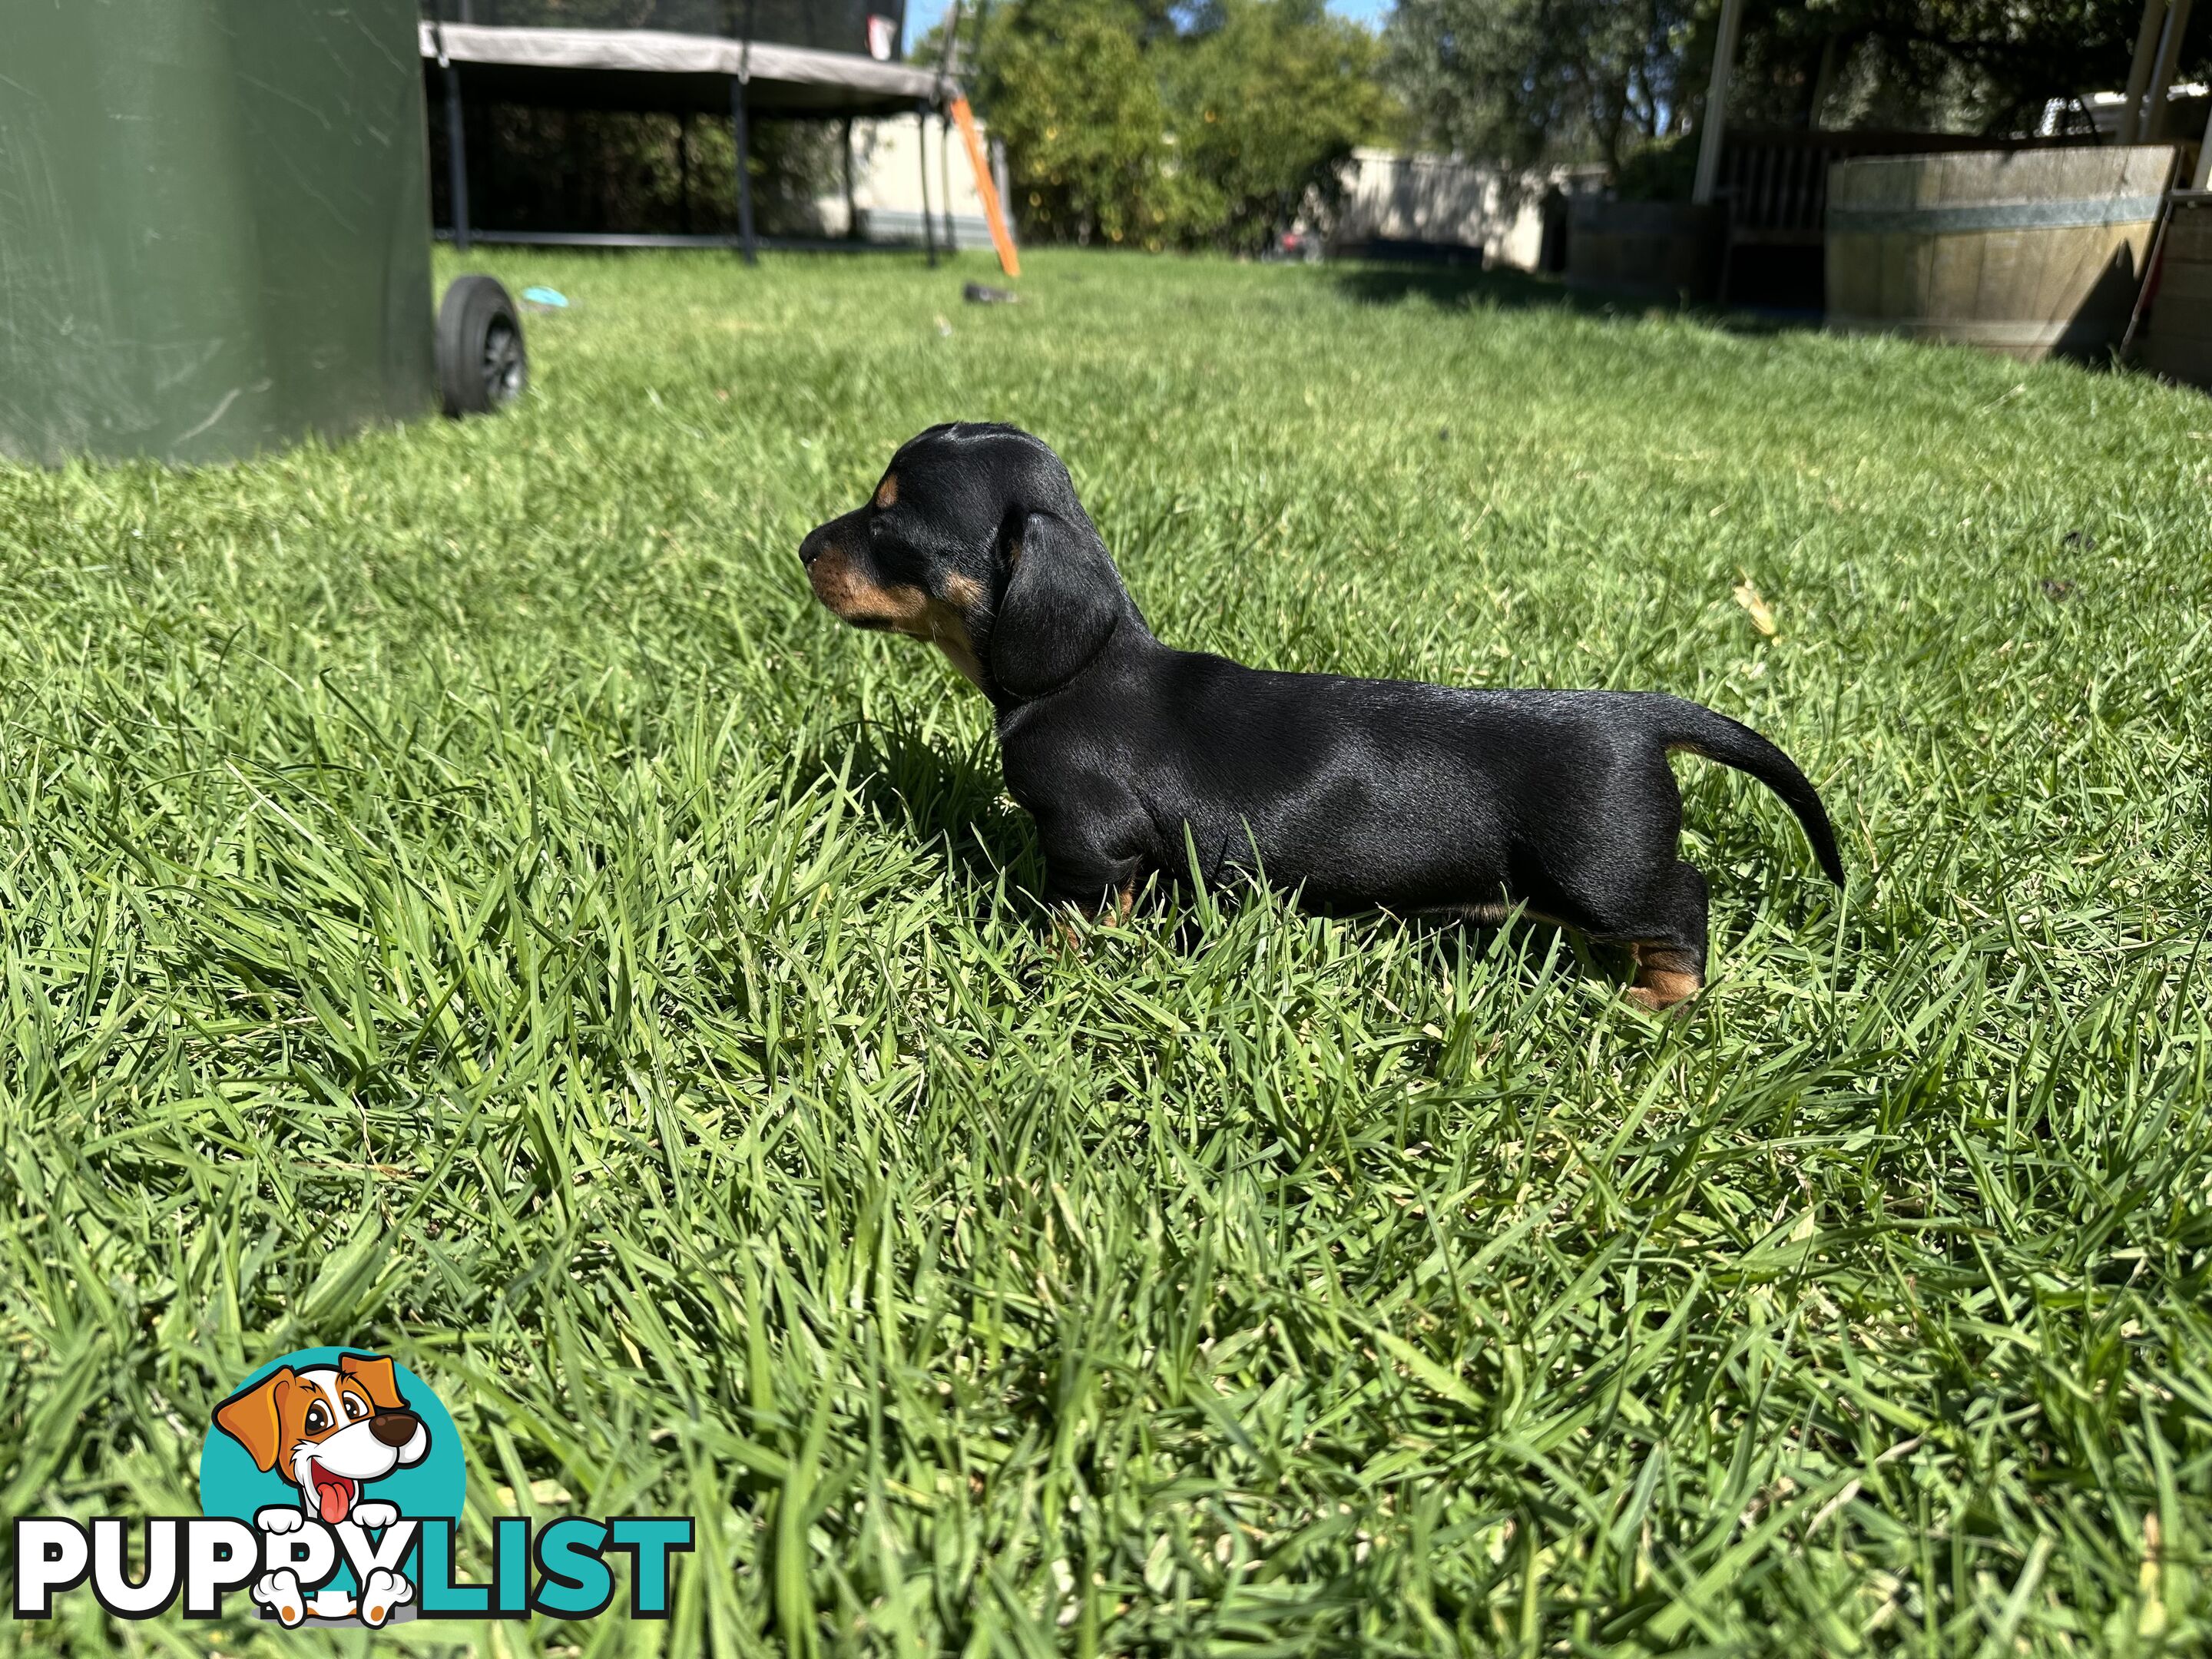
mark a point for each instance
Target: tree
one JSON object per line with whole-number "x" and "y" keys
{"x": 1523, "y": 80}
{"x": 1986, "y": 66}
{"x": 1219, "y": 123}
{"x": 1269, "y": 98}
{"x": 1066, "y": 86}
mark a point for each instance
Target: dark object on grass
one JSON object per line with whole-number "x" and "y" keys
{"x": 1407, "y": 251}
{"x": 481, "y": 363}
{"x": 2056, "y": 588}
{"x": 1353, "y": 793}
{"x": 982, "y": 293}
{"x": 2082, "y": 539}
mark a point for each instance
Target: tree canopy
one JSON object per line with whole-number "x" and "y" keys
{"x": 1152, "y": 125}
{"x": 1524, "y": 80}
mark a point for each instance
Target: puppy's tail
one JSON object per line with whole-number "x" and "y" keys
{"x": 1716, "y": 737}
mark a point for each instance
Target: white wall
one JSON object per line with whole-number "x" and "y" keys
{"x": 888, "y": 157}
{"x": 1390, "y": 196}
{"x": 1440, "y": 199}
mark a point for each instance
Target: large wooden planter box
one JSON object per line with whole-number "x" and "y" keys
{"x": 1643, "y": 250}
{"x": 2027, "y": 253}
{"x": 2179, "y": 344}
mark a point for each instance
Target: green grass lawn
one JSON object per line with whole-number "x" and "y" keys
{"x": 459, "y": 895}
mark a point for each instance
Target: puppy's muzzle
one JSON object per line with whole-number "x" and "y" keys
{"x": 835, "y": 582}
{"x": 841, "y": 587}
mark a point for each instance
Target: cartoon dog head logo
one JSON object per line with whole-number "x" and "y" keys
{"x": 334, "y": 1456}
{"x": 332, "y": 1429}
{"x": 332, "y": 1483}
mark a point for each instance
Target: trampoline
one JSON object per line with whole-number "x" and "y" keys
{"x": 784, "y": 59}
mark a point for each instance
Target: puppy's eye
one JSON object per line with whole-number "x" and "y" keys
{"x": 355, "y": 1409}
{"x": 318, "y": 1418}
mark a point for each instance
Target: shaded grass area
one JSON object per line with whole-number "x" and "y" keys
{"x": 458, "y": 896}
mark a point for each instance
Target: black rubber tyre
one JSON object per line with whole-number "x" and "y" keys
{"x": 482, "y": 366}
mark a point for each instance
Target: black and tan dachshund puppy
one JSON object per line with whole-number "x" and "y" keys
{"x": 1355, "y": 793}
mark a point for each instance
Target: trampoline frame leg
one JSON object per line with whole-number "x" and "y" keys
{"x": 738, "y": 129}
{"x": 457, "y": 157}
{"x": 928, "y": 224}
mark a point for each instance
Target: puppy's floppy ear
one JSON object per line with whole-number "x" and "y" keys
{"x": 1063, "y": 601}
{"x": 375, "y": 1374}
{"x": 253, "y": 1417}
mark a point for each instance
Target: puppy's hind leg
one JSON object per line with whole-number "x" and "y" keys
{"x": 1671, "y": 956}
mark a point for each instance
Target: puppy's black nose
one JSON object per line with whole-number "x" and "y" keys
{"x": 812, "y": 549}
{"x": 394, "y": 1428}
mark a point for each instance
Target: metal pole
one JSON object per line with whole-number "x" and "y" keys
{"x": 945, "y": 178}
{"x": 852, "y": 200}
{"x": 944, "y": 62}
{"x": 928, "y": 224}
{"x": 739, "y": 129}
{"x": 2203, "y": 159}
{"x": 2146, "y": 41}
{"x": 457, "y": 146}
{"x": 1714, "y": 120}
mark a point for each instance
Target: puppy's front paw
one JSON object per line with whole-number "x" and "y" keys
{"x": 1667, "y": 980}
{"x": 1665, "y": 1004}
{"x": 384, "y": 1590}
{"x": 376, "y": 1517}
{"x": 279, "y": 1592}
{"x": 279, "y": 1518}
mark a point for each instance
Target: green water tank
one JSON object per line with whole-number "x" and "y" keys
{"x": 214, "y": 225}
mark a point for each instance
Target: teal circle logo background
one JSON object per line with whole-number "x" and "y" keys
{"x": 231, "y": 1485}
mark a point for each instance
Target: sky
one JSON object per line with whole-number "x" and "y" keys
{"x": 922, "y": 15}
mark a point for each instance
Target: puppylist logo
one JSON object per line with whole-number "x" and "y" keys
{"x": 331, "y": 1490}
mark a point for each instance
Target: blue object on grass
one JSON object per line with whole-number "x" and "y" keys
{"x": 551, "y": 298}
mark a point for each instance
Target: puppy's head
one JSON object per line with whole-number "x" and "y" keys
{"x": 974, "y": 541}
{"x": 330, "y": 1428}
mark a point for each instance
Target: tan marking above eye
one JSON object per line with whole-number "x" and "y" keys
{"x": 887, "y": 492}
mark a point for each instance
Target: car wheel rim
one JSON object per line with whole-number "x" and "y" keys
{"x": 502, "y": 363}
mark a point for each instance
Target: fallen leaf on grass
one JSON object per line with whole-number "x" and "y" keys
{"x": 1761, "y": 617}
